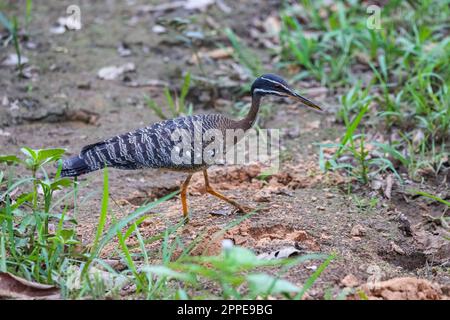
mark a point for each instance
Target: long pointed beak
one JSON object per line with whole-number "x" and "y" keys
{"x": 305, "y": 101}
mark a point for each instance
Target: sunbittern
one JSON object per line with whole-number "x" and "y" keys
{"x": 152, "y": 146}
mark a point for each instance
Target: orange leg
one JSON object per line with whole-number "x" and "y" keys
{"x": 184, "y": 187}
{"x": 213, "y": 192}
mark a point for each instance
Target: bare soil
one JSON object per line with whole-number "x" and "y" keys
{"x": 300, "y": 206}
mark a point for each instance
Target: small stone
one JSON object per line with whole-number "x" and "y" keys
{"x": 12, "y": 60}
{"x": 350, "y": 281}
{"x": 313, "y": 199}
{"x": 358, "y": 230}
{"x": 262, "y": 196}
{"x": 396, "y": 248}
{"x": 84, "y": 85}
{"x": 320, "y": 208}
{"x": 5, "y": 101}
{"x": 313, "y": 267}
{"x": 158, "y": 29}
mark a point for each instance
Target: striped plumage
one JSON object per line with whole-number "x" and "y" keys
{"x": 152, "y": 146}
{"x": 148, "y": 147}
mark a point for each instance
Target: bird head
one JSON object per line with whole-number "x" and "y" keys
{"x": 270, "y": 84}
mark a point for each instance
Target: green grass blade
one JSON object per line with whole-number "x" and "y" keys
{"x": 351, "y": 129}
{"x": 104, "y": 210}
{"x": 308, "y": 284}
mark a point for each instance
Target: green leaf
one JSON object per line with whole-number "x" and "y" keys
{"x": 170, "y": 102}
{"x": 9, "y": 159}
{"x": 104, "y": 210}
{"x": 24, "y": 197}
{"x": 28, "y": 9}
{"x": 430, "y": 196}
{"x": 30, "y": 153}
{"x": 2, "y": 252}
{"x": 181, "y": 295}
{"x": 264, "y": 284}
{"x": 67, "y": 234}
{"x": 185, "y": 90}
{"x": 6, "y": 23}
{"x": 154, "y": 106}
{"x": 121, "y": 224}
{"x": 393, "y": 152}
{"x": 46, "y": 155}
{"x": 60, "y": 183}
{"x": 309, "y": 283}
{"x": 351, "y": 129}
{"x": 163, "y": 271}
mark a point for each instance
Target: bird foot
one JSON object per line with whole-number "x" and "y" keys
{"x": 243, "y": 209}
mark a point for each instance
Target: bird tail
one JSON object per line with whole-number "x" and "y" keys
{"x": 74, "y": 166}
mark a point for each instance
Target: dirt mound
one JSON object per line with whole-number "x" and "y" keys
{"x": 407, "y": 288}
{"x": 256, "y": 176}
{"x": 245, "y": 234}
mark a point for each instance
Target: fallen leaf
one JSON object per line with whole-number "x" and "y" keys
{"x": 12, "y": 60}
{"x": 113, "y": 72}
{"x": 13, "y": 287}
{"x": 388, "y": 189}
{"x": 82, "y": 115}
{"x": 221, "y": 53}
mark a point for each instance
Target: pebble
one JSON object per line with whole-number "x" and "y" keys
{"x": 350, "y": 281}
{"x": 358, "y": 230}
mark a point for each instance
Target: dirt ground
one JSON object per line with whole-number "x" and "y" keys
{"x": 65, "y": 104}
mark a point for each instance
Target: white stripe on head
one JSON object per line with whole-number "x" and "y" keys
{"x": 273, "y": 81}
{"x": 270, "y": 92}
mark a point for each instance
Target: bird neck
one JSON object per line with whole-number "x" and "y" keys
{"x": 250, "y": 118}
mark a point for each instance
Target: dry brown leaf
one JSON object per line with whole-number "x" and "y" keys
{"x": 113, "y": 72}
{"x": 13, "y": 287}
{"x": 388, "y": 190}
{"x": 221, "y": 53}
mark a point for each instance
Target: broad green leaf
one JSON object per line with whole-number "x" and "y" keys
{"x": 29, "y": 153}
{"x": 46, "y": 155}
{"x": 9, "y": 159}
{"x": 163, "y": 271}
{"x": 264, "y": 284}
